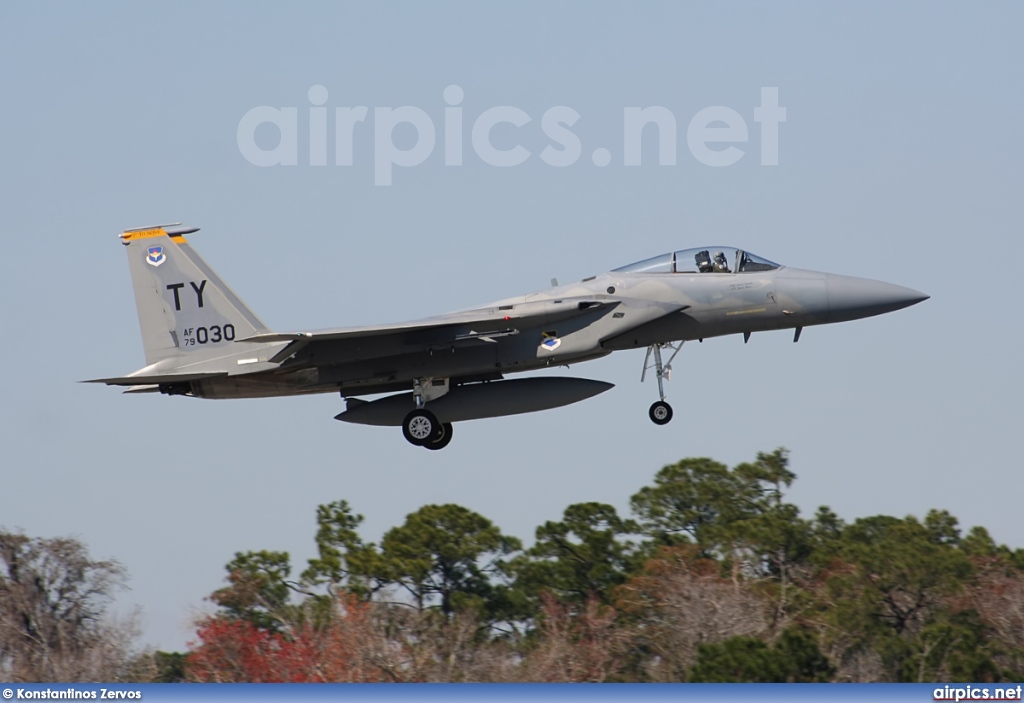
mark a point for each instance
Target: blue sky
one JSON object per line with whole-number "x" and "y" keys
{"x": 899, "y": 160}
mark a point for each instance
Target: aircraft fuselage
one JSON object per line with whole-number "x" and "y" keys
{"x": 643, "y": 309}
{"x": 201, "y": 340}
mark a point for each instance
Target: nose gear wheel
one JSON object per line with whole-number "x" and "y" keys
{"x": 660, "y": 413}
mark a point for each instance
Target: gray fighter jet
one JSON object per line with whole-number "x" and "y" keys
{"x": 202, "y": 341}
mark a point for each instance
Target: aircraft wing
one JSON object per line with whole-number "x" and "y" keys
{"x": 482, "y": 325}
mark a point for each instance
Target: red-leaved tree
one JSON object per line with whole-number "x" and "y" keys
{"x": 235, "y": 650}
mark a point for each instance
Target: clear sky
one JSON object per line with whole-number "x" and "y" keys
{"x": 900, "y": 159}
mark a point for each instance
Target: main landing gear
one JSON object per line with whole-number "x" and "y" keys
{"x": 421, "y": 427}
{"x": 660, "y": 412}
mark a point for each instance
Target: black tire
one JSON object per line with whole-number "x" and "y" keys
{"x": 660, "y": 413}
{"x": 444, "y": 440}
{"x": 420, "y": 426}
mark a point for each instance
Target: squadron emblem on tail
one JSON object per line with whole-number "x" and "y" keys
{"x": 155, "y": 256}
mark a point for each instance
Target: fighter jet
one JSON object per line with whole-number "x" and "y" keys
{"x": 202, "y": 341}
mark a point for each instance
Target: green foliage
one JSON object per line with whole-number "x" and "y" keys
{"x": 904, "y": 568}
{"x": 826, "y": 531}
{"x": 737, "y": 660}
{"x": 978, "y": 543}
{"x": 795, "y": 658}
{"x": 584, "y": 555}
{"x": 170, "y": 667}
{"x": 446, "y": 552}
{"x": 801, "y": 658}
{"x": 688, "y": 499}
{"x": 718, "y": 578}
{"x": 258, "y": 589}
{"x": 952, "y": 647}
{"x": 942, "y": 527}
{"x": 738, "y": 517}
{"x": 769, "y": 529}
{"x": 730, "y": 514}
{"x": 344, "y": 561}
{"x": 889, "y": 584}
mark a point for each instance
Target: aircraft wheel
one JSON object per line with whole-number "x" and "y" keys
{"x": 443, "y": 440}
{"x": 420, "y": 426}
{"x": 661, "y": 413}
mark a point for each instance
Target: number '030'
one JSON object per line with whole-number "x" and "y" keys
{"x": 215, "y": 334}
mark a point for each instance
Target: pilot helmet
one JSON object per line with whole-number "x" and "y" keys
{"x": 720, "y": 256}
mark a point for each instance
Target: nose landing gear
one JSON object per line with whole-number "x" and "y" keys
{"x": 660, "y": 412}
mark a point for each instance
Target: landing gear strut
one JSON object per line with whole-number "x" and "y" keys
{"x": 660, "y": 412}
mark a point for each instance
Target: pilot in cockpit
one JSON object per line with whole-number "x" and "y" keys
{"x": 720, "y": 265}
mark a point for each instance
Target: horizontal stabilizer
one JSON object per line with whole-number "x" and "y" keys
{"x": 156, "y": 380}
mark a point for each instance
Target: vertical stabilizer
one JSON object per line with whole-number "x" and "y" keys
{"x": 185, "y": 310}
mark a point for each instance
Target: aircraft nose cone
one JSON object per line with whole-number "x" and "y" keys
{"x": 850, "y": 298}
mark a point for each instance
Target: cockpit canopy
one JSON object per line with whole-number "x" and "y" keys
{"x": 701, "y": 260}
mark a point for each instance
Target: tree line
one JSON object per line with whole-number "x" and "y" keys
{"x": 713, "y": 576}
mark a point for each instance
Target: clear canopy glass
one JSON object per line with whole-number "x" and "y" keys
{"x": 702, "y": 260}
